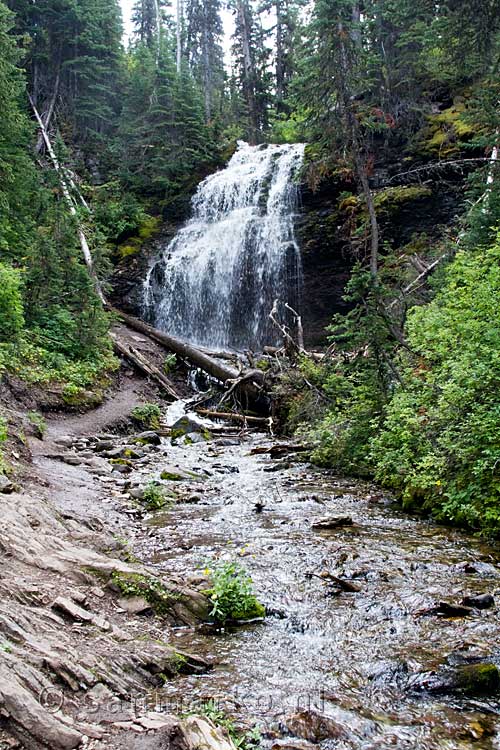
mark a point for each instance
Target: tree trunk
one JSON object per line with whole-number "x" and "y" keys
{"x": 352, "y": 128}
{"x": 248, "y": 382}
{"x": 179, "y": 34}
{"x": 72, "y": 209}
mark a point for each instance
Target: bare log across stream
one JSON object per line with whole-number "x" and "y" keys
{"x": 245, "y": 382}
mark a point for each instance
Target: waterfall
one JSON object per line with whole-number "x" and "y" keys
{"x": 215, "y": 283}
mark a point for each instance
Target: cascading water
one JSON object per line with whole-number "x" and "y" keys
{"x": 216, "y": 281}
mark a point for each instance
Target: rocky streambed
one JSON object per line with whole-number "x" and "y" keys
{"x": 381, "y": 630}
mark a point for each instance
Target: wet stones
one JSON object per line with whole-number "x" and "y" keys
{"x": 328, "y": 523}
{"x": 314, "y": 726}
{"x": 147, "y": 438}
{"x": 479, "y": 601}
{"x": 468, "y": 679}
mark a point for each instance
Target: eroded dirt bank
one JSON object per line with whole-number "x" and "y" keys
{"x": 366, "y": 643}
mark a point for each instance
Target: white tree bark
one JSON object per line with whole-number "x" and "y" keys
{"x": 87, "y": 255}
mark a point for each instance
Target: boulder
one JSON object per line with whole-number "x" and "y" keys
{"x": 6, "y": 486}
{"x": 186, "y": 425}
{"x": 147, "y": 438}
{"x": 469, "y": 679}
{"x": 314, "y": 726}
{"x": 479, "y": 601}
{"x": 332, "y": 522}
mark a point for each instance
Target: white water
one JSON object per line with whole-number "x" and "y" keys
{"x": 216, "y": 281}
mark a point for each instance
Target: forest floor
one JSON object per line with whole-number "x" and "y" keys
{"x": 102, "y": 644}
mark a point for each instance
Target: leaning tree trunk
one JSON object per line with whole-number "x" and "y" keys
{"x": 247, "y": 382}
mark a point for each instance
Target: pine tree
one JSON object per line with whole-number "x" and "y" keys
{"x": 251, "y": 62}
{"x": 204, "y": 49}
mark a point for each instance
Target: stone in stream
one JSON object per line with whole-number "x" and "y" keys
{"x": 104, "y": 445}
{"x": 469, "y": 679}
{"x": 187, "y": 425}
{"x": 147, "y": 438}
{"x": 479, "y": 601}
{"x": 332, "y": 522}
{"x": 314, "y": 726}
{"x": 446, "y": 609}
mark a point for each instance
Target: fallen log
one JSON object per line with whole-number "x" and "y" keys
{"x": 233, "y": 417}
{"x": 280, "y": 449}
{"x": 246, "y": 382}
{"x": 144, "y": 366}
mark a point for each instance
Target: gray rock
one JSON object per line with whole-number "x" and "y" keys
{"x": 65, "y": 441}
{"x": 185, "y": 425}
{"x": 149, "y": 437}
{"x": 6, "y": 486}
{"x": 104, "y": 445}
{"x": 137, "y": 493}
{"x": 226, "y": 442}
{"x": 479, "y": 601}
{"x": 332, "y": 522}
{"x": 135, "y": 605}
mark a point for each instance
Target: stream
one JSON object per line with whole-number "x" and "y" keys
{"x": 352, "y": 657}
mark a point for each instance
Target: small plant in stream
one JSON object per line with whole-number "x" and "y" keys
{"x": 244, "y": 740}
{"x": 232, "y": 594}
{"x": 147, "y": 415}
{"x": 155, "y": 496}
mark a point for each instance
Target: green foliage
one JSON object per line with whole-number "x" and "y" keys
{"x": 169, "y": 363}
{"x": 247, "y": 740}
{"x": 358, "y": 383}
{"x": 155, "y": 496}
{"x": 232, "y": 594}
{"x": 439, "y": 446}
{"x": 152, "y": 589}
{"x": 38, "y": 422}
{"x": 147, "y": 415}
{"x": 11, "y": 304}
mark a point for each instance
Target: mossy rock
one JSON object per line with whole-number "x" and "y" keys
{"x": 391, "y": 198}
{"x": 252, "y": 611}
{"x": 447, "y": 131}
{"x": 151, "y": 589}
{"x": 477, "y": 679}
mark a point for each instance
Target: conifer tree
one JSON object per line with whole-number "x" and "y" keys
{"x": 204, "y": 49}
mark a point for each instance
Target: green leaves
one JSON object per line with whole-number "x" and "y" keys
{"x": 232, "y": 594}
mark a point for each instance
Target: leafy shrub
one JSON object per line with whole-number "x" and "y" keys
{"x": 169, "y": 363}
{"x": 155, "y": 496}
{"x": 232, "y": 594}
{"x": 147, "y": 415}
{"x": 11, "y": 305}
{"x": 440, "y": 444}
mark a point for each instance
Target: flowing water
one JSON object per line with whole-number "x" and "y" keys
{"x": 348, "y": 656}
{"x": 216, "y": 282}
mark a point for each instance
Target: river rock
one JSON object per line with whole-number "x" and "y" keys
{"x": 6, "y": 486}
{"x": 479, "y": 601}
{"x": 226, "y": 442}
{"x": 104, "y": 445}
{"x": 469, "y": 679}
{"x": 290, "y": 743}
{"x": 332, "y": 522}
{"x": 314, "y": 726}
{"x": 147, "y": 438}
{"x": 186, "y": 425}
